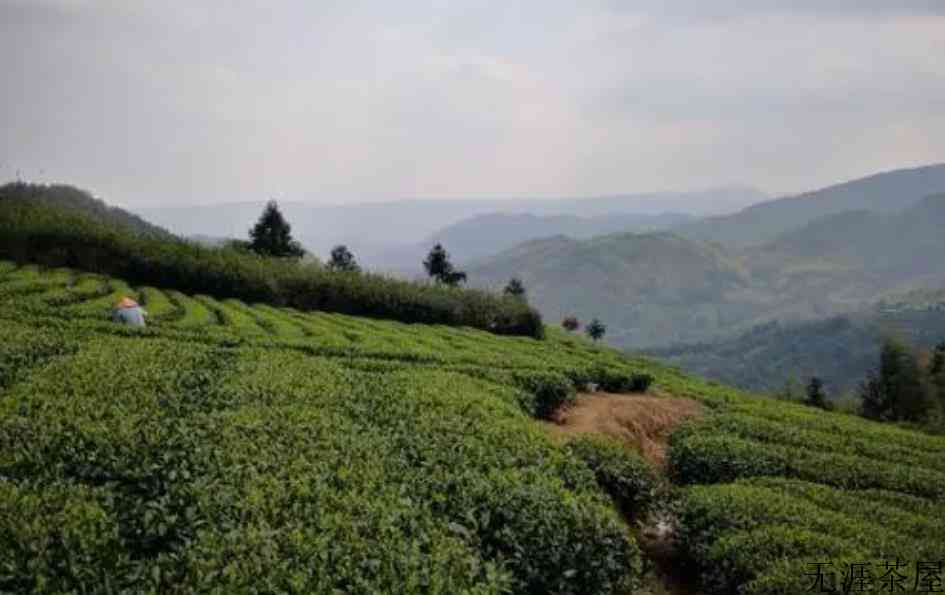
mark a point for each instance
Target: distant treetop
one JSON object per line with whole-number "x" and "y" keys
{"x": 272, "y": 235}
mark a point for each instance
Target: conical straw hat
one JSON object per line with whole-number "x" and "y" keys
{"x": 126, "y": 302}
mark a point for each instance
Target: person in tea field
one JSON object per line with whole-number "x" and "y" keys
{"x": 127, "y": 311}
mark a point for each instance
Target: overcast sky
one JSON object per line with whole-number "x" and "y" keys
{"x": 323, "y": 100}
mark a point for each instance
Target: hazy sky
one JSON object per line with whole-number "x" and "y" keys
{"x": 192, "y": 101}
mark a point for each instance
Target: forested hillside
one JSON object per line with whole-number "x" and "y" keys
{"x": 657, "y": 290}
{"x": 883, "y": 193}
{"x": 840, "y": 350}
{"x": 650, "y": 288}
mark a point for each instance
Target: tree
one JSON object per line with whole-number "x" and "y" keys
{"x": 515, "y": 289}
{"x": 272, "y": 235}
{"x": 343, "y": 260}
{"x": 937, "y": 374}
{"x": 571, "y": 323}
{"x": 937, "y": 365}
{"x": 897, "y": 391}
{"x": 438, "y": 266}
{"x": 873, "y": 401}
{"x": 815, "y": 396}
{"x": 596, "y": 330}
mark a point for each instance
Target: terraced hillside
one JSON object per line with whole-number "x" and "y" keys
{"x": 241, "y": 448}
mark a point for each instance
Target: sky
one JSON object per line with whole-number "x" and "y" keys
{"x": 181, "y": 102}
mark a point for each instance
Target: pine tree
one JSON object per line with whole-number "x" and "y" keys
{"x": 272, "y": 235}
{"x": 873, "y": 401}
{"x": 438, "y": 266}
{"x": 596, "y": 330}
{"x": 343, "y": 260}
{"x": 515, "y": 289}
{"x": 815, "y": 396}
{"x": 897, "y": 391}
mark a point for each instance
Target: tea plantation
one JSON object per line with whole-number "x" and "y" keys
{"x": 237, "y": 448}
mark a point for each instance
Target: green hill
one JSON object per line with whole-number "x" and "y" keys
{"x": 660, "y": 289}
{"x": 69, "y": 198}
{"x": 840, "y": 350}
{"x": 41, "y": 230}
{"x": 236, "y": 447}
{"x": 885, "y": 192}
{"x": 651, "y": 289}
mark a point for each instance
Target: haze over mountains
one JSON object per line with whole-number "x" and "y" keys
{"x": 882, "y": 192}
{"x": 388, "y": 236}
{"x": 662, "y": 288}
{"x": 839, "y": 349}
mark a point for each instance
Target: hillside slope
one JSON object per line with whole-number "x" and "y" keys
{"x": 840, "y": 350}
{"x": 485, "y": 235}
{"x": 376, "y": 230}
{"x": 44, "y": 232}
{"x": 651, "y": 289}
{"x": 654, "y": 290}
{"x": 235, "y": 448}
{"x": 75, "y": 200}
{"x": 883, "y": 193}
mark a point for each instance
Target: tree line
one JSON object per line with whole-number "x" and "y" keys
{"x": 269, "y": 267}
{"x": 272, "y": 236}
{"x": 906, "y": 386}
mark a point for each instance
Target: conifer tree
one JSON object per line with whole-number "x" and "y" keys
{"x": 438, "y": 266}
{"x": 272, "y": 235}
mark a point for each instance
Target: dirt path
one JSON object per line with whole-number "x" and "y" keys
{"x": 644, "y": 423}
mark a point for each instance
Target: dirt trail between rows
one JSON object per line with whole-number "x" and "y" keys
{"x": 644, "y": 423}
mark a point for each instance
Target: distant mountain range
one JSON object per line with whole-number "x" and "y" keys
{"x": 482, "y": 236}
{"x": 665, "y": 288}
{"x": 881, "y": 193}
{"x": 839, "y": 350}
{"x": 651, "y": 289}
{"x": 379, "y": 233}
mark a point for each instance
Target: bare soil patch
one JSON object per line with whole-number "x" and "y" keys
{"x": 644, "y": 422}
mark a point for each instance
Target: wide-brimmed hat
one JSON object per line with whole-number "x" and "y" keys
{"x": 126, "y": 302}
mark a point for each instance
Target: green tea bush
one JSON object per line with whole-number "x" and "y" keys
{"x": 337, "y": 453}
{"x": 640, "y": 383}
{"x": 548, "y": 392}
{"x": 622, "y": 473}
{"x": 756, "y": 537}
{"x": 704, "y": 458}
{"x": 230, "y": 461}
{"x": 158, "y": 305}
{"x": 33, "y": 231}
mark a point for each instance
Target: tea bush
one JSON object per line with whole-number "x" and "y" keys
{"x": 205, "y": 453}
{"x": 236, "y": 448}
{"x": 622, "y": 473}
{"x": 33, "y": 230}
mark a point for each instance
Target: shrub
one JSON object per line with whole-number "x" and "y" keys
{"x": 571, "y": 323}
{"x": 761, "y": 536}
{"x": 549, "y": 392}
{"x": 621, "y": 472}
{"x": 622, "y": 382}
